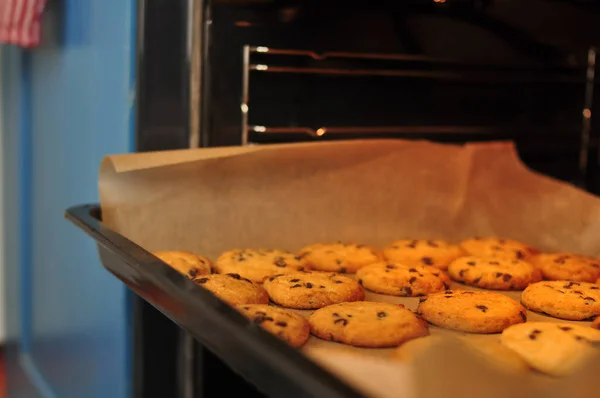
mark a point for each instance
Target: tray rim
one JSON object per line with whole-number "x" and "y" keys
{"x": 290, "y": 373}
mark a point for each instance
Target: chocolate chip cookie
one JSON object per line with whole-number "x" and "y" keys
{"x": 500, "y": 273}
{"x": 310, "y": 290}
{"x": 437, "y": 253}
{"x": 338, "y": 257}
{"x": 498, "y": 247}
{"x": 189, "y": 264}
{"x": 233, "y": 289}
{"x": 574, "y": 301}
{"x": 285, "y": 324}
{"x": 567, "y": 266}
{"x": 556, "y": 349}
{"x": 367, "y": 324}
{"x": 398, "y": 279}
{"x": 258, "y": 264}
{"x": 468, "y": 311}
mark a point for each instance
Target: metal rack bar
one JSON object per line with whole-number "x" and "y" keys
{"x": 319, "y": 132}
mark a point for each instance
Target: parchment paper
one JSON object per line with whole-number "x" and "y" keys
{"x": 368, "y": 191}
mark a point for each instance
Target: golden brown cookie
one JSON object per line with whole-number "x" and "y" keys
{"x": 498, "y": 247}
{"x": 568, "y": 267}
{"x": 285, "y": 324}
{"x": 497, "y": 273}
{"x": 491, "y": 351}
{"x": 401, "y": 280}
{"x": 367, "y": 324}
{"x": 189, "y": 264}
{"x": 556, "y": 349}
{"x": 309, "y": 290}
{"x": 258, "y": 264}
{"x": 338, "y": 257}
{"x": 468, "y": 311}
{"x": 574, "y": 301}
{"x": 233, "y": 289}
{"x": 437, "y": 253}
{"x": 596, "y": 323}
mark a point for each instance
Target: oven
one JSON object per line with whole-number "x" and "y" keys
{"x": 249, "y": 72}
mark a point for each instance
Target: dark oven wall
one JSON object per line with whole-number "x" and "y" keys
{"x": 473, "y": 70}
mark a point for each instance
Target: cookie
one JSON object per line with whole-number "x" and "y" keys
{"x": 257, "y": 265}
{"x": 285, "y": 324}
{"x": 468, "y": 311}
{"x": 338, "y": 257}
{"x": 567, "y": 266}
{"x": 498, "y": 247}
{"x": 310, "y": 290}
{"x": 596, "y": 323}
{"x": 492, "y": 352}
{"x": 233, "y": 289}
{"x": 500, "y": 273}
{"x": 367, "y": 324}
{"x": 574, "y": 301}
{"x": 556, "y": 349}
{"x": 401, "y": 280}
{"x": 437, "y": 253}
{"x": 189, "y": 264}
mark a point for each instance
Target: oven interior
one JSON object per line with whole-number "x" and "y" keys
{"x": 271, "y": 71}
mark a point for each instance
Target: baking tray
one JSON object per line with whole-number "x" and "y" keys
{"x": 272, "y": 366}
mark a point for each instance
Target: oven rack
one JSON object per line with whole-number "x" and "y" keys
{"x": 475, "y": 73}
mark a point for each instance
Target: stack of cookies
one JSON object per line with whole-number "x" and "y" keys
{"x": 359, "y": 296}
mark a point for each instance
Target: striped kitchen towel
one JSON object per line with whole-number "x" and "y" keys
{"x": 20, "y": 22}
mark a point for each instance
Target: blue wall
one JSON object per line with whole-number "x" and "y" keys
{"x": 66, "y": 105}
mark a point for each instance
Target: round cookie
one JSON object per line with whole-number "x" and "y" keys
{"x": 310, "y": 290}
{"x": 499, "y": 273}
{"x": 233, "y": 289}
{"x": 574, "y": 301}
{"x": 189, "y": 264}
{"x": 568, "y": 267}
{"x": 259, "y": 264}
{"x": 437, "y": 253}
{"x": 367, "y": 324}
{"x": 497, "y": 247}
{"x": 468, "y": 311}
{"x": 338, "y": 257}
{"x": 401, "y": 280}
{"x": 556, "y": 349}
{"x": 492, "y": 352}
{"x": 285, "y": 324}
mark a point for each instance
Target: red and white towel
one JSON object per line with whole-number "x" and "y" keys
{"x": 20, "y": 22}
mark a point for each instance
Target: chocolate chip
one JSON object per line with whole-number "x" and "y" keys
{"x": 240, "y": 259}
{"x": 295, "y": 280}
{"x": 296, "y": 285}
{"x": 427, "y": 260}
{"x": 260, "y": 313}
{"x": 246, "y": 308}
{"x": 565, "y": 328}
{"x": 360, "y": 282}
{"x": 432, "y": 243}
{"x": 589, "y": 298}
{"x": 192, "y": 273}
{"x": 580, "y": 338}
{"x": 499, "y": 274}
{"x": 360, "y": 246}
{"x": 308, "y": 285}
{"x": 343, "y": 321}
{"x": 338, "y": 261}
{"x": 390, "y": 266}
{"x": 523, "y": 316}
{"x": 471, "y": 263}
{"x": 461, "y": 273}
{"x": 297, "y": 258}
{"x": 578, "y": 292}
{"x": 342, "y": 270}
{"x": 468, "y": 292}
{"x": 494, "y": 263}
{"x": 596, "y": 265}
{"x": 201, "y": 280}
{"x": 407, "y": 291}
{"x": 336, "y": 281}
{"x": 533, "y": 336}
{"x": 561, "y": 259}
{"x": 280, "y": 262}
{"x": 262, "y": 319}
{"x": 234, "y": 276}
{"x": 349, "y": 316}
{"x": 483, "y": 308}
{"x": 476, "y": 280}
{"x": 412, "y": 244}
{"x": 335, "y": 314}
{"x": 448, "y": 292}
{"x": 520, "y": 255}
{"x": 595, "y": 288}
{"x": 412, "y": 270}
{"x": 381, "y": 315}
{"x": 448, "y": 296}
{"x": 413, "y": 279}
{"x": 280, "y": 323}
{"x": 507, "y": 277}
{"x": 422, "y": 299}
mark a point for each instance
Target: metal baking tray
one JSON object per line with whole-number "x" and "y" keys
{"x": 271, "y": 365}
